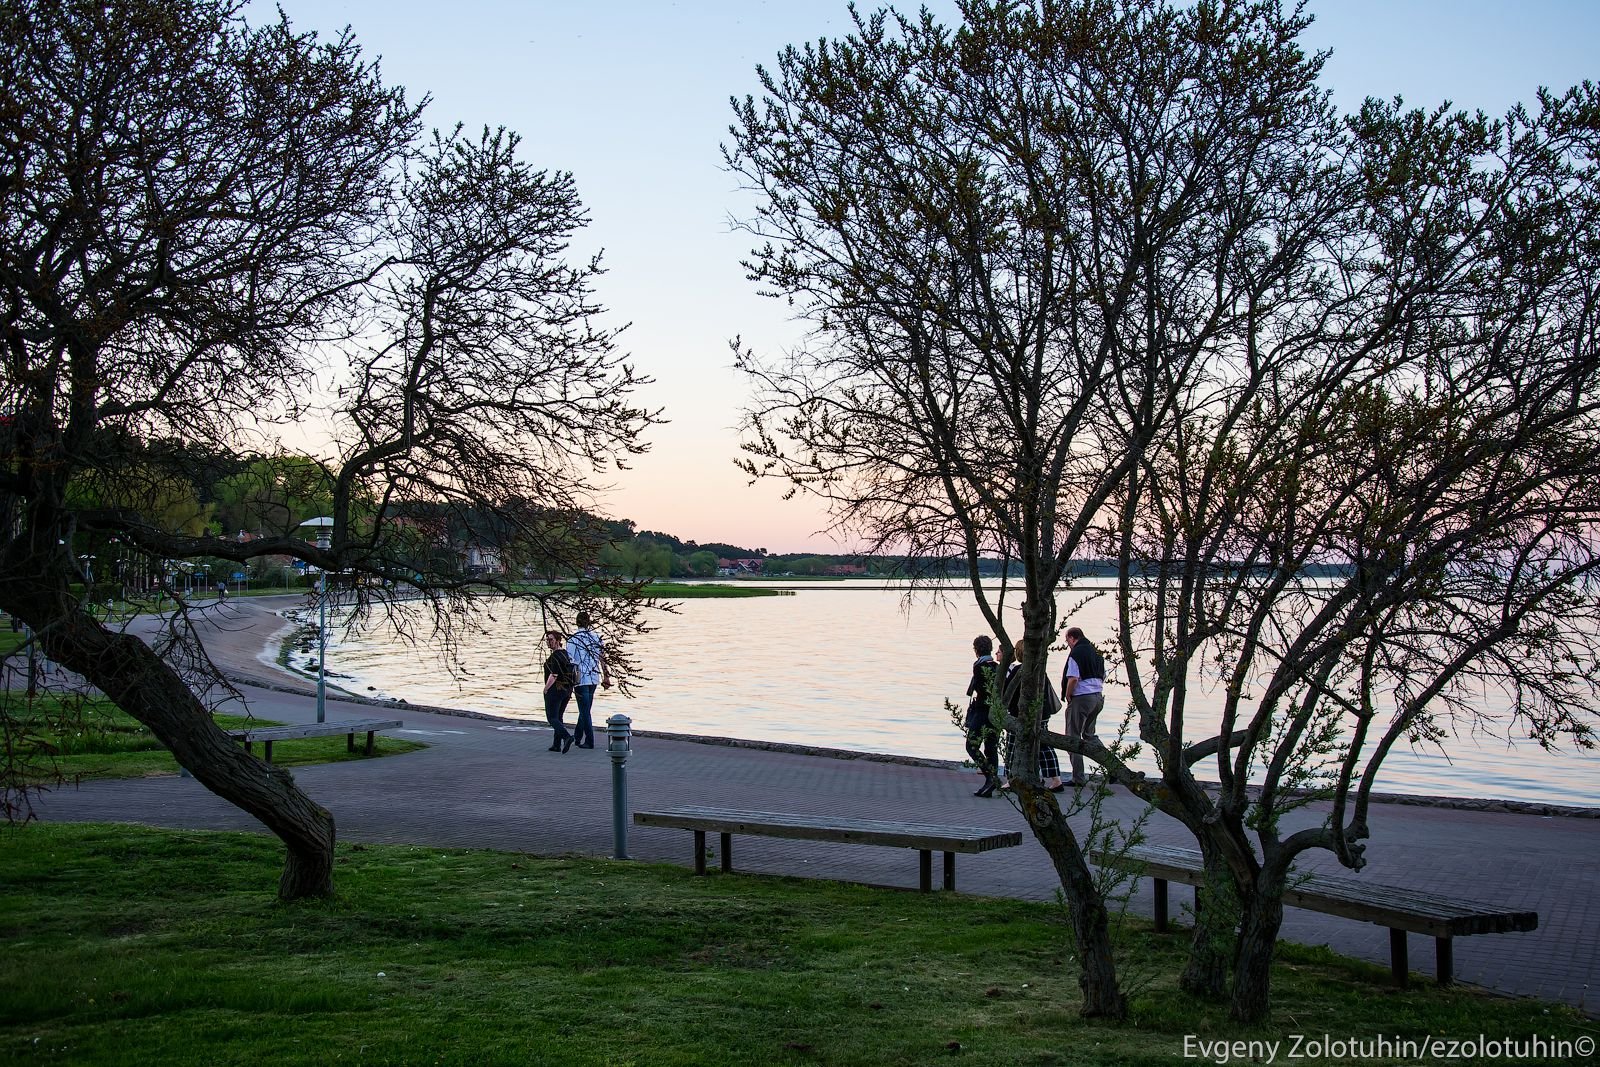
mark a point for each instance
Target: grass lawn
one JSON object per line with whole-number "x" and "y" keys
{"x": 125, "y": 945}
{"x": 680, "y": 591}
{"x": 98, "y": 740}
{"x": 677, "y": 591}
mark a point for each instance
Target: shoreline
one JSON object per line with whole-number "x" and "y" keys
{"x": 273, "y": 643}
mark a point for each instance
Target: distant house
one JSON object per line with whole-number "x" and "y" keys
{"x": 845, "y": 570}
{"x": 732, "y": 568}
{"x": 480, "y": 560}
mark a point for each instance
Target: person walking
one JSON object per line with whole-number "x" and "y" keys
{"x": 588, "y": 653}
{"x": 560, "y": 678}
{"x": 982, "y": 738}
{"x": 1083, "y": 684}
{"x": 1049, "y": 762}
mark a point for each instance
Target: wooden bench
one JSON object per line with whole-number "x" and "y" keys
{"x": 1401, "y": 910}
{"x": 924, "y": 837}
{"x": 268, "y": 734}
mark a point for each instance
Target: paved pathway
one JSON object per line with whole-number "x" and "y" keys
{"x": 491, "y": 784}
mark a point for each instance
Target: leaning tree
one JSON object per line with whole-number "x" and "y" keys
{"x": 203, "y": 222}
{"x": 1000, "y": 234}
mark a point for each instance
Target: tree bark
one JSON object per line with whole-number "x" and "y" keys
{"x": 1258, "y": 936}
{"x": 1091, "y": 925}
{"x": 139, "y": 682}
{"x": 1205, "y": 973}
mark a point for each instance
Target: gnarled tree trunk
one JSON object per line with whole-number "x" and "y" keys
{"x": 1091, "y": 926}
{"x": 130, "y": 673}
{"x": 1213, "y": 943}
{"x": 1258, "y": 936}
{"x": 1205, "y": 973}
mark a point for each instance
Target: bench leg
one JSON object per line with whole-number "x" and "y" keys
{"x": 350, "y": 742}
{"x": 1397, "y": 957}
{"x": 247, "y": 749}
{"x": 727, "y": 853}
{"x": 370, "y": 741}
{"x": 950, "y": 871}
{"x": 699, "y": 852}
{"x": 1444, "y": 959}
{"x": 925, "y": 864}
{"x": 267, "y": 747}
{"x": 1159, "y": 885}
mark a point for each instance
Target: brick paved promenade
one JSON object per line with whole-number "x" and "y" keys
{"x": 491, "y": 784}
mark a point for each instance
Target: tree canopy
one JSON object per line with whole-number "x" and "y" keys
{"x": 205, "y": 223}
{"x": 1114, "y": 281}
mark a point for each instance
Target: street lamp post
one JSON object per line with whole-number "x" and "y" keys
{"x": 322, "y": 645}
{"x": 322, "y": 524}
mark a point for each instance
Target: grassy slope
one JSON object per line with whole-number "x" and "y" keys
{"x": 126, "y": 945}
{"x": 94, "y": 739}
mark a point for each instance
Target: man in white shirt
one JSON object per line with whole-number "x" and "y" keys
{"x": 588, "y": 654}
{"x": 1083, "y": 688}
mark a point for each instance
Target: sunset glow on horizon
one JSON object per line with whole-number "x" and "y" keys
{"x": 633, "y": 99}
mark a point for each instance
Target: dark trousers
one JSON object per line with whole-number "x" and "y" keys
{"x": 555, "y": 706}
{"x": 583, "y": 733}
{"x": 983, "y": 746}
{"x": 1082, "y": 711}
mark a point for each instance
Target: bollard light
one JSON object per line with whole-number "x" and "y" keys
{"x": 619, "y": 742}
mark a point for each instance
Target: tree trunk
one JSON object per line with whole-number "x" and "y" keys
{"x": 1091, "y": 926}
{"x": 1216, "y": 926}
{"x": 139, "y": 682}
{"x": 1258, "y": 936}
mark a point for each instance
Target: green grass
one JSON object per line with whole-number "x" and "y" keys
{"x": 126, "y": 945}
{"x": 87, "y": 739}
{"x": 674, "y": 591}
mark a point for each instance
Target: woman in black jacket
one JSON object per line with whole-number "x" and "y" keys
{"x": 982, "y": 739}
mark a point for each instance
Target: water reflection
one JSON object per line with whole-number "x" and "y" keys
{"x": 845, "y": 666}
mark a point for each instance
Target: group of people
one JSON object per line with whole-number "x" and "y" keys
{"x": 575, "y": 667}
{"x": 1082, "y": 684}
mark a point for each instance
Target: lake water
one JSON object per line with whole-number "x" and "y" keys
{"x": 847, "y": 666}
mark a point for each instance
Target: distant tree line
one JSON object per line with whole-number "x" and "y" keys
{"x": 228, "y": 494}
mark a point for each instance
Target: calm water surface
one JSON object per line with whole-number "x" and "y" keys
{"x": 847, "y": 666}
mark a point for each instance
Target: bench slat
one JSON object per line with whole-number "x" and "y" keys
{"x": 967, "y": 839}
{"x": 315, "y": 729}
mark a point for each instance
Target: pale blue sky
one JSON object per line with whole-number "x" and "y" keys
{"x": 632, "y": 97}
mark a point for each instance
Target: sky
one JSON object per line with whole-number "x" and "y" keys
{"x": 632, "y": 97}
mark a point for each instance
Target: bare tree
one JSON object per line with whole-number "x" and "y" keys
{"x": 197, "y": 214}
{"x": 1112, "y": 280}
{"x": 1016, "y": 243}
{"x": 1378, "y": 524}
{"x": 489, "y": 399}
